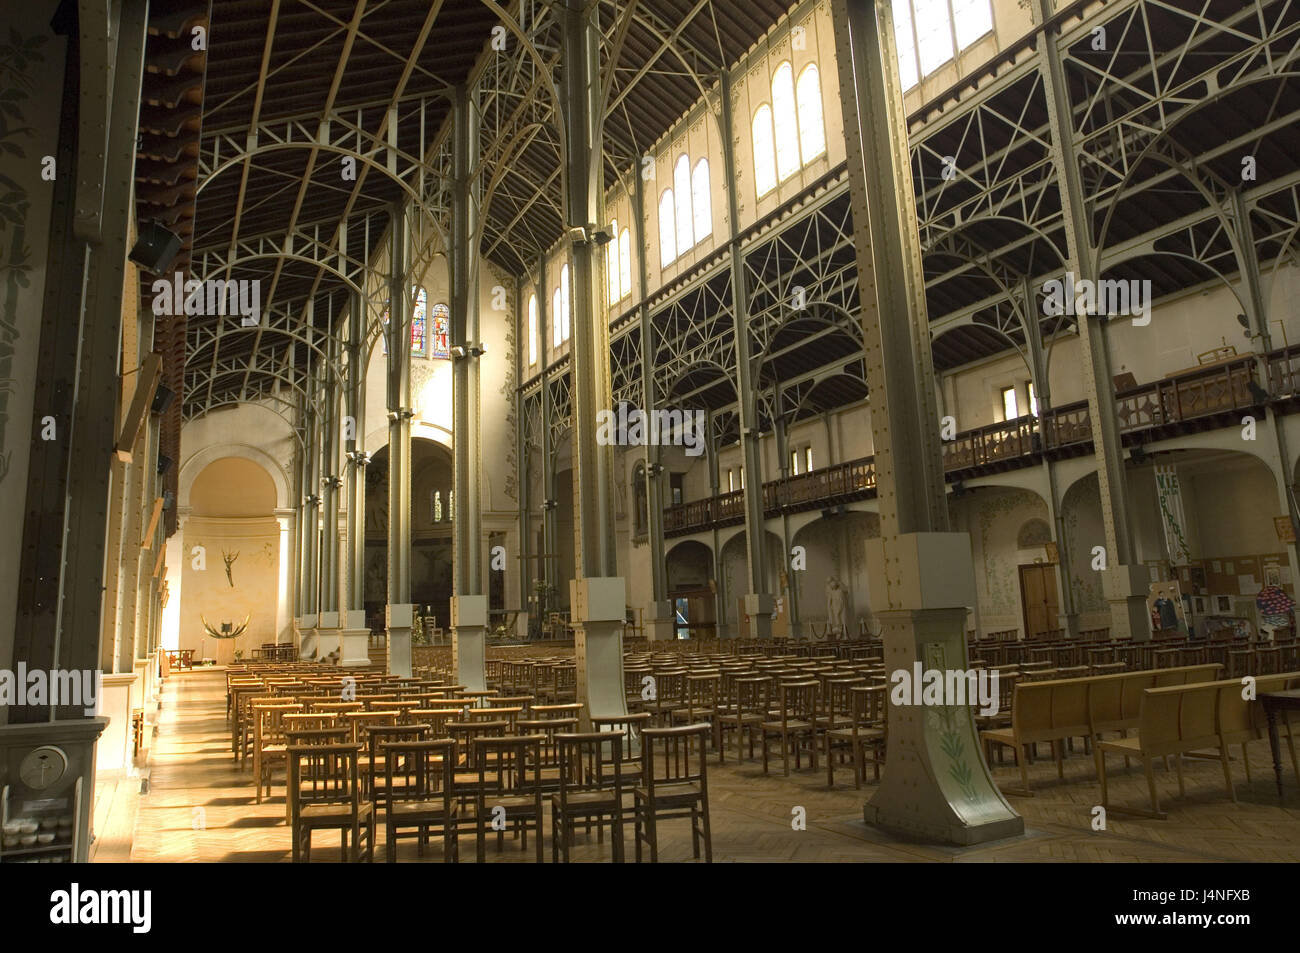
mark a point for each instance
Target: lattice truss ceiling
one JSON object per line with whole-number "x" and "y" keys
{"x": 296, "y": 87}
{"x": 1162, "y": 120}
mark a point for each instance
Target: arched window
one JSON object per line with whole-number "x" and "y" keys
{"x": 611, "y": 265}
{"x": 556, "y": 340}
{"x": 419, "y": 323}
{"x": 700, "y": 204}
{"x": 764, "y": 151}
{"x": 812, "y": 131}
{"x": 905, "y": 41}
{"x": 785, "y": 122}
{"x": 532, "y": 329}
{"x": 562, "y": 319}
{"x": 441, "y": 339}
{"x": 625, "y": 261}
{"x": 682, "y": 202}
{"x": 929, "y": 33}
{"x": 437, "y": 506}
{"x": 667, "y": 228}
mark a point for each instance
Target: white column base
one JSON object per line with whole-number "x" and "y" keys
{"x": 469, "y": 617}
{"x": 399, "y": 618}
{"x": 660, "y": 621}
{"x": 307, "y": 641}
{"x": 759, "y": 606}
{"x": 936, "y": 785}
{"x": 121, "y": 694}
{"x": 354, "y": 647}
{"x": 1126, "y": 589}
{"x": 328, "y": 625}
{"x": 599, "y": 607}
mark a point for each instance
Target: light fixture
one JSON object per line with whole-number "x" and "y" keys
{"x": 578, "y": 235}
{"x": 461, "y": 351}
{"x": 549, "y": 504}
{"x": 600, "y": 236}
{"x": 655, "y": 469}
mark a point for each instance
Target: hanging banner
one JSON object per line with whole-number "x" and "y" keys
{"x": 1169, "y": 494}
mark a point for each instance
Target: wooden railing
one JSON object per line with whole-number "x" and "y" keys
{"x": 1199, "y": 393}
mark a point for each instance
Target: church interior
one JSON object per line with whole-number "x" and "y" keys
{"x": 536, "y": 431}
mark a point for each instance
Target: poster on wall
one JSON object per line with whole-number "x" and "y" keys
{"x": 1169, "y": 494}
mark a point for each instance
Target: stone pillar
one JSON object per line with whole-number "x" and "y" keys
{"x": 598, "y": 596}
{"x": 329, "y": 621}
{"x": 469, "y": 602}
{"x": 936, "y": 784}
{"x": 400, "y": 612}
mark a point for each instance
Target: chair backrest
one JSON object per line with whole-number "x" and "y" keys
{"x": 508, "y": 764}
{"x": 420, "y": 770}
{"x": 798, "y": 700}
{"x": 590, "y": 761}
{"x": 495, "y": 713}
{"x": 1178, "y": 718}
{"x": 317, "y": 736}
{"x": 268, "y": 729}
{"x": 305, "y": 721}
{"x": 379, "y": 735}
{"x": 631, "y": 727}
{"x": 323, "y": 774}
{"x": 675, "y": 755}
{"x": 359, "y": 721}
{"x": 563, "y": 710}
{"x": 467, "y": 732}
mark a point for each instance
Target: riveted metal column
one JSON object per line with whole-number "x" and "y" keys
{"x": 598, "y": 596}
{"x": 758, "y": 601}
{"x": 468, "y": 603}
{"x": 328, "y": 622}
{"x": 1257, "y": 306}
{"x": 525, "y": 562}
{"x": 1124, "y": 581}
{"x": 790, "y": 593}
{"x": 936, "y": 784}
{"x": 400, "y": 613}
{"x": 354, "y": 639}
{"x": 1069, "y": 616}
{"x": 659, "y": 613}
{"x": 549, "y": 569}
{"x": 719, "y": 580}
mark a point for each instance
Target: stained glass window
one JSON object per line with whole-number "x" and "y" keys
{"x": 437, "y": 506}
{"x": 419, "y": 324}
{"x": 441, "y": 332}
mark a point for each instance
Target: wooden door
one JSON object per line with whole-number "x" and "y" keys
{"x": 1038, "y": 599}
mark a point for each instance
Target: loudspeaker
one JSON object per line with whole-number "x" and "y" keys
{"x": 155, "y": 248}
{"x": 164, "y": 463}
{"x": 162, "y": 399}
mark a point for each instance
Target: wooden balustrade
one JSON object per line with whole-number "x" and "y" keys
{"x": 1199, "y": 393}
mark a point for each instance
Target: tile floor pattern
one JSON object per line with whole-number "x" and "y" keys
{"x": 193, "y": 769}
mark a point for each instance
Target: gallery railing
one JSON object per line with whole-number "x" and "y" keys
{"x": 1197, "y": 395}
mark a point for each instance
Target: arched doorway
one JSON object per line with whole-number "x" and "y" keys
{"x": 692, "y": 590}
{"x": 431, "y": 532}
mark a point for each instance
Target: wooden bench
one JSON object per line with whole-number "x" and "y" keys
{"x": 1057, "y": 709}
{"x": 1180, "y": 720}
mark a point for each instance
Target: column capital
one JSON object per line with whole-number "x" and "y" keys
{"x": 331, "y": 482}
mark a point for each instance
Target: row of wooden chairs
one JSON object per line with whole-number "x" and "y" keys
{"x": 496, "y": 783}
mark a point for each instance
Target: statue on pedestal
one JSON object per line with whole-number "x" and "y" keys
{"x": 834, "y": 608}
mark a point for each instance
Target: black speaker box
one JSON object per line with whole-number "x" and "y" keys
{"x": 155, "y": 248}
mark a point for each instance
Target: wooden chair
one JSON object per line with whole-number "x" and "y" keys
{"x": 590, "y": 789}
{"x": 749, "y": 708}
{"x": 867, "y": 730}
{"x": 509, "y": 790}
{"x": 376, "y": 738}
{"x": 673, "y": 788}
{"x": 325, "y": 794}
{"x": 268, "y": 742}
{"x": 632, "y": 727}
{"x": 701, "y": 703}
{"x": 419, "y": 778}
{"x": 797, "y": 720}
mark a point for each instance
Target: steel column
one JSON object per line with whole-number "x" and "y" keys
{"x": 400, "y": 613}
{"x": 758, "y": 601}
{"x": 469, "y": 603}
{"x": 598, "y": 596}
{"x": 936, "y": 784}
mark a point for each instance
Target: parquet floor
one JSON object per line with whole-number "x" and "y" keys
{"x": 199, "y": 807}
